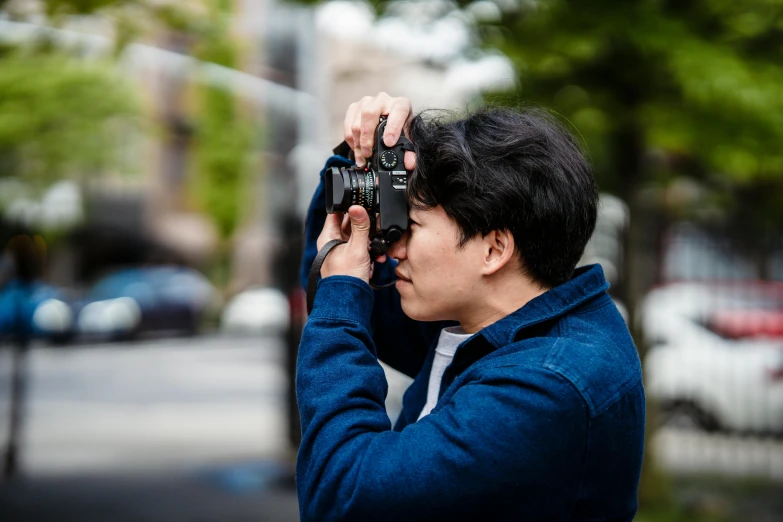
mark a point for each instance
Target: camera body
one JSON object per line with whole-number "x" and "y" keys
{"x": 380, "y": 187}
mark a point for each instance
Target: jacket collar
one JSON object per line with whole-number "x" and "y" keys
{"x": 587, "y": 282}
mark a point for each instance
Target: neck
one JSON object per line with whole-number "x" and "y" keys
{"x": 502, "y": 294}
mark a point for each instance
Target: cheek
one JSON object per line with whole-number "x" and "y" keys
{"x": 425, "y": 255}
{"x": 434, "y": 269}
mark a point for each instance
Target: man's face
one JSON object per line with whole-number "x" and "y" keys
{"x": 436, "y": 278}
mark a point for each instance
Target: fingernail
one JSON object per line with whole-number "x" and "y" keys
{"x": 388, "y": 140}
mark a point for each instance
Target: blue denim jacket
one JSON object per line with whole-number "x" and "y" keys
{"x": 540, "y": 415}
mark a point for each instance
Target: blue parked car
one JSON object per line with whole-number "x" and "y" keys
{"x": 39, "y": 309}
{"x": 150, "y": 299}
{"x": 121, "y": 305}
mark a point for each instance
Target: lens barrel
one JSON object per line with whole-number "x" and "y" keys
{"x": 349, "y": 186}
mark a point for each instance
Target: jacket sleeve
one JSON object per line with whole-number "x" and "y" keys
{"x": 505, "y": 437}
{"x": 401, "y": 342}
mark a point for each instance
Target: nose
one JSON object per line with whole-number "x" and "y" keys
{"x": 399, "y": 249}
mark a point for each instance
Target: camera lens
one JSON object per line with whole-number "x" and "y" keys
{"x": 349, "y": 186}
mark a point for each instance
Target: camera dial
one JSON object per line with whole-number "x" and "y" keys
{"x": 389, "y": 159}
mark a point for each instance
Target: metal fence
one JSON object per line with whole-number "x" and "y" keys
{"x": 712, "y": 328}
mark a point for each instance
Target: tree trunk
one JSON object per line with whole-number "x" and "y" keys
{"x": 638, "y": 274}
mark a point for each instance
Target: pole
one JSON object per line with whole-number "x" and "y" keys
{"x": 19, "y": 370}
{"x": 18, "y": 393}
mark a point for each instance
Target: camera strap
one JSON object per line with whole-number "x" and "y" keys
{"x": 315, "y": 273}
{"x": 406, "y": 144}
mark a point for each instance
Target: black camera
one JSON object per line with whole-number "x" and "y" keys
{"x": 380, "y": 187}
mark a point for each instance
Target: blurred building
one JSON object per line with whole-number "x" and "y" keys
{"x": 334, "y": 55}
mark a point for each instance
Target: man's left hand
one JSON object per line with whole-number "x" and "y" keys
{"x": 353, "y": 258}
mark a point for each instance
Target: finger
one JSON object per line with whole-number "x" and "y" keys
{"x": 360, "y": 230}
{"x": 371, "y": 113}
{"x": 331, "y": 228}
{"x": 398, "y": 116}
{"x": 410, "y": 160}
{"x": 345, "y": 228}
{"x": 381, "y": 258}
{"x": 356, "y": 131}
{"x": 350, "y": 116}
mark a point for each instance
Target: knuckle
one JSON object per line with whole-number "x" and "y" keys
{"x": 361, "y": 225}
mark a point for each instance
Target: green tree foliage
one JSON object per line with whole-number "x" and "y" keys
{"x": 58, "y": 115}
{"x": 54, "y": 110}
{"x": 223, "y": 142}
{"x": 79, "y": 7}
{"x": 223, "y": 134}
{"x": 694, "y": 79}
{"x": 661, "y": 89}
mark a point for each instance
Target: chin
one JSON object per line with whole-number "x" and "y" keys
{"x": 420, "y": 312}
{"x": 411, "y": 310}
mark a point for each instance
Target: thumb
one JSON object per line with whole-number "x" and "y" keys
{"x": 409, "y": 160}
{"x": 360, "y": 228}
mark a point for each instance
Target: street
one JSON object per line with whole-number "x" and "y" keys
{"x": 151, "y": 406}
{"x": 176, "y": 429}
{"x": 197, "y": 425}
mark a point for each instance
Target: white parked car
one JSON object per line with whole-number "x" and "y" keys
{"x": 256, "y": 310}
{"x": 716, "y": 356}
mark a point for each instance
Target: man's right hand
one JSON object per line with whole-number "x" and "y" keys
{"x": 361, "y": 120}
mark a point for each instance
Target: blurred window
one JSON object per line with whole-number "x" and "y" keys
{"x": 692, "y": 254}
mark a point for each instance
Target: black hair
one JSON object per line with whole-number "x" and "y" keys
{"x": 509, "y": 169}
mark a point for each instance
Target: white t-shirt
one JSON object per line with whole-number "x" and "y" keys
{"x": 448, "y": 341}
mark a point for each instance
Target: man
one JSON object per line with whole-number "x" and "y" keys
{"x": 527, "y": 400}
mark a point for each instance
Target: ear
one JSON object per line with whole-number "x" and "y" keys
{"x": 498, "y": 250}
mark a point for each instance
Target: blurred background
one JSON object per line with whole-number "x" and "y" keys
{"x": 156, "y": 161}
